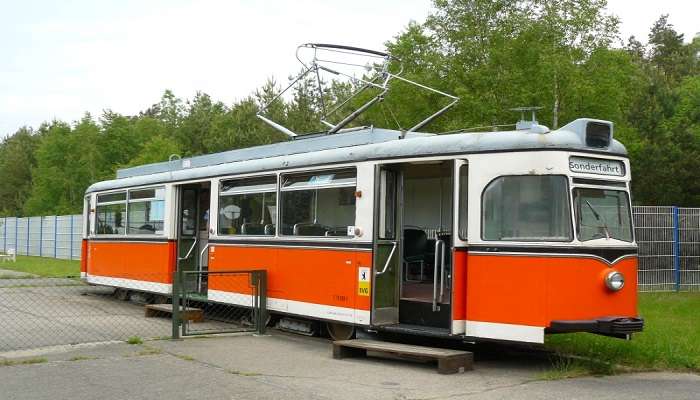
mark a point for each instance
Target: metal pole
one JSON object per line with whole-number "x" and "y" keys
{"x": 16, "y": 236}
{"x": 4, "y": 241}
{"x": 28, "y": 220}
{"x": 55, "y": 236}
{"x": 176, "y": 306}
{"x": 260, "y": 278}
{"x": 41, "y": 236}
{"x": 70, "y": 235}
{"x": 676, "y": 249}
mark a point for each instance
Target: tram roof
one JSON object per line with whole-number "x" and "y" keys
{"x": 355, "y": 146}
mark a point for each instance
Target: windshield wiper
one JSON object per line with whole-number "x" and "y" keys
{"x": 598, "y": 217}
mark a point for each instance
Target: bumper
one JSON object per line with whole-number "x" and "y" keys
{"x": 609, "y": 326}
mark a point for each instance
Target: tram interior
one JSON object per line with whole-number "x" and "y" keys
{"x": 427, "y": 218}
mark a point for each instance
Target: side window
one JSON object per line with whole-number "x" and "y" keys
{"x": 463, "y": 200}
{"x": 248, "y": 206}
{"x": 522, "y": 208}
{"x": 86, "y": 217}
{"x": 110, "y": 213}
{"x": 318, "y": 204}
{"x": 146, "y": 211}
{"x": 387, "y": 204}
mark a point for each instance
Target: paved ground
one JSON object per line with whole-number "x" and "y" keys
{"x": 46, "y": 311}
{"x": 10, "y": 274}
{"x": 296, "y": 367}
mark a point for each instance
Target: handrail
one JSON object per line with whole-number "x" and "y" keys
{"x": 201, "y": 253}
{"x": 189, "y": 252}
{"x": 442, "y": 271}
{"x": 388, "y": 259}
{"x": 438, "y": 243}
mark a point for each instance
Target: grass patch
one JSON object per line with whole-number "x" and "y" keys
{"x": 134, "y": 340}
{"x": 149, "y": 351}
{"x": 243, "y": 373}
{"x": 184, "y": 357}
{"x": 82, "y": 358}
{"x": 45, "y": 267}
{"x": 670, "y": 341}
{"x": 27, "y": 361}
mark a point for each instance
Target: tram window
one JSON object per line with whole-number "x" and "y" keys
{"x": 248, "y": 206}
{"x": 146, "y": 211}
{"x": 319, "y": 204}
{"x": 527, "y": 208}
{"x": 463, "y": 200}
{"x": 110, "y": 213}
{"x": 601, "y": 214}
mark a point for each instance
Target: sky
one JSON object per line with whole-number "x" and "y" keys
{"x": 58, "y": 61}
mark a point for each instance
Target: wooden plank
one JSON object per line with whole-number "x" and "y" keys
{"x": 187, "y": 313}
{"x": 449, "y": 361}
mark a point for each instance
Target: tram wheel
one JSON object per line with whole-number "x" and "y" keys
{"x": 340, "y": 331}
{"x": 122, "y": 294}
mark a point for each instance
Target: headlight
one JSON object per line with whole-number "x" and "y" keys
{"x": 614, "y": 280}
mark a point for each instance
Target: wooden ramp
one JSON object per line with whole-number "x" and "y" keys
{"x": 188, "y": 313}
{"x": 448, "y": 361}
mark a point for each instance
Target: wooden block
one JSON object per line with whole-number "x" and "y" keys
{"x": 448, "y": 361}
{"x": 340, "y": 351}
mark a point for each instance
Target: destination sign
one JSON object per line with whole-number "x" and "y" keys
{"x": 597, "y": 166}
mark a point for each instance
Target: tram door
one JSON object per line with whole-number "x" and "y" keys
{"x": 193, "y": 226}
{"x": 387, "y": 247}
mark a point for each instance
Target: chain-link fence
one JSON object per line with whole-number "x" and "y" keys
{"x": 56, "y": 236}
{"x": 42, "y": 312}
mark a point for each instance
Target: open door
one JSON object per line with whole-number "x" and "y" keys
{"x": 387, "y": 247}
{"x": 193, "y": 215}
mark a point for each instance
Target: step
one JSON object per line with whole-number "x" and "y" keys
{"x": 186, "y": 313}
{"x": 449, "y": 361}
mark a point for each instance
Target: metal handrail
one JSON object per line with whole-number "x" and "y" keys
{"x": 438, "y": 243}
{"x": 189, "y": 252}
{"x": 201, "y": 253}
{"x": 388, "y": 260}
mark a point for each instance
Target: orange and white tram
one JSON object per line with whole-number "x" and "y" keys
{"x": 478, "y": 236}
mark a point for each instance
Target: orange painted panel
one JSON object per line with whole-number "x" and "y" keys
{"x": 320, "y": 276}
{"x": 152, "y": 262}
{"x": 459, "y": 285}
{"x": 534, "y": 290}
{"x": 83, "y": 255}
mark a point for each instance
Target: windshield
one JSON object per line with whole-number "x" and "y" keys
{"x": 602, "y": 213}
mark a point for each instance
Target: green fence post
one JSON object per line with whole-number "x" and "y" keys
{"x": 176, "y": 305}
{"x": 262, "y": 302}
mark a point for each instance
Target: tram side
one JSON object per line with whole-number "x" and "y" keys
{"x": 505, "y": 245}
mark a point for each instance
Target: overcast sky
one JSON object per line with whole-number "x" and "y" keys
{"x": 59, "y": 61}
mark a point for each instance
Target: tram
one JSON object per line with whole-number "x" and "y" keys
{"x": 502, "y": 236}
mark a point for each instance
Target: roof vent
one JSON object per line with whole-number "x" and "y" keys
{"x": 530, "y": 126}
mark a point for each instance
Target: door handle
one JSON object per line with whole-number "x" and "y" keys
{"x": 388, "y": 260}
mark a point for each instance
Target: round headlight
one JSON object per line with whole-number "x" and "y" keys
{"x": 614, "y": 280}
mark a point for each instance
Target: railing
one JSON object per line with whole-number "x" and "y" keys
{"x": 213, "y": 302}
{"x": 669, "y": 248}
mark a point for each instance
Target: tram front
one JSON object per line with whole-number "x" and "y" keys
{"x": 553, "y": 249}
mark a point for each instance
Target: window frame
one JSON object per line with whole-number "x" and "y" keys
{"x": 630, "y": 215}
{"x": 463, "y": 213}
{"x": 281, "y": 190}
{"x": 109, "y": 203}
{"x": 220, "y": 194}
{"x": 569, "y": 205}
{"x": 144, "y": 200}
